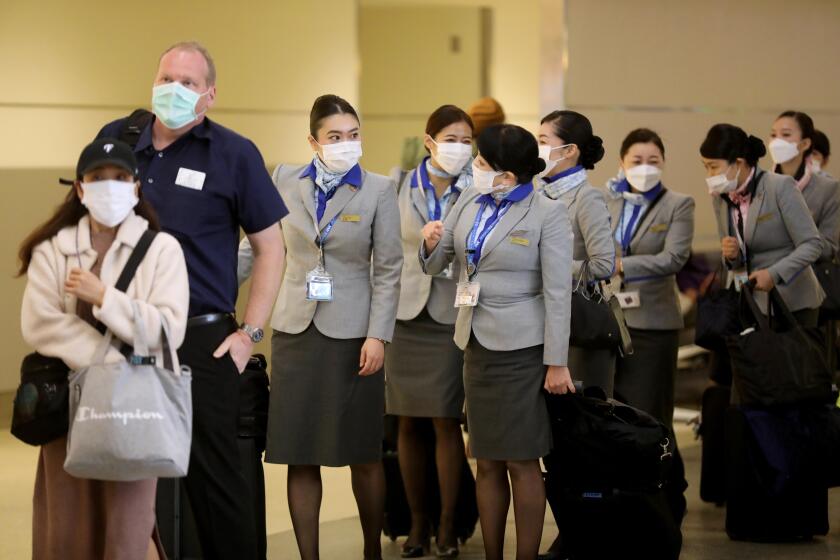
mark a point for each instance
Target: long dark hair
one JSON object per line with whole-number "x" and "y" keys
{"x": 729, "y": 142}
{"x": 507, "y": 147}
{"x": 575, "y": 128}
{"x": 327, "y": 106}
{"x": 68, "y": 214}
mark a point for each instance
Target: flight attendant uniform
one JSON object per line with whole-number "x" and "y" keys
{"x": 423, "y": 365}
{"x": 514, "y": 314}
{"x": 340, "y": 286}
{"x": 594, "y": 254}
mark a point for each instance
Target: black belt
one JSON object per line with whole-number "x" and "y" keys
{"x": 209, "y": 319}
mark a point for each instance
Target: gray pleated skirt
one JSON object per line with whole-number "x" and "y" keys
{"x": 424, "y": 370}
{"x": 506, "y": 410}
{"x": 321, "y": 412}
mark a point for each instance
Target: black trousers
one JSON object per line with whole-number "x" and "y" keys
{"x": 219, "y": 494}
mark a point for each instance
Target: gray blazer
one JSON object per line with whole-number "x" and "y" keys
{"x": 363, "y": 254}
{"x": 781, "y": 237}
{"x": 417, "y": 289}
{"x": 659, "y": 249}
{"x": 591, "y": 227}
{"x": 524, "y": 272}
{"x": 822, "y": 195}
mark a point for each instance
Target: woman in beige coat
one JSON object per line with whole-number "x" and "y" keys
{"x": 72, "y": 263}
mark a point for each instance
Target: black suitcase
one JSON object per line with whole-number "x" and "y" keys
{"x": 600, "y": 523}
{"x": 175, "y": 521}
{"x": 713, "y": 459}
{"x": 761, "y": 505}
{"x": 397, "y": 522}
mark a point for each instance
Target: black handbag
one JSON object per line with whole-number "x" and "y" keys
{"x": 828, "y": 274}
{"x": 717, "y": 315}
{"x": 597, "y": 321}
{"x": 600, "y": 442}
{"x": 41, "y": 412}
{"x": 42, "y": 407}
{"x": 778, "y": 361}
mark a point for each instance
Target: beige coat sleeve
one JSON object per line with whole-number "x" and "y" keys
{"x": 44, "y": 323}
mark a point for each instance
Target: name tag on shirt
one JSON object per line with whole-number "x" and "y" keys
{"x": 765, "y": 217}
{"x": 190, "y": 179}
{"x": 520, "y": 241}
{"x": 351, "y": 218}
{"x": 629, "y": 300}
{"x": 659, "y": 228}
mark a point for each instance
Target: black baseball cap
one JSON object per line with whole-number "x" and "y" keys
{"x": 106, "y": 151}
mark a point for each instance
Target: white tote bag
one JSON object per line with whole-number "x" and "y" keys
{"x": 130, "y": 420}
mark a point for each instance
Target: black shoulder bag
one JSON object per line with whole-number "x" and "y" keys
{"x": 718, "y": 315}
{"x": 41, "y": 409}
{"x": 597, "y": 320}
{"x": 778, "y": 362}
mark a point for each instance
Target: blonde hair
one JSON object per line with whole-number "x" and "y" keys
{"x": 195, "y": 46}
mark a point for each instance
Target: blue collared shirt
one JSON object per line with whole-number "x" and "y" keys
{"x": 352, "y": 177}
{"x": 205, "y": 210}
{"x": 438, "y": 208}
{"x": 490, "y": 208}
{"x": 631, "y": 214}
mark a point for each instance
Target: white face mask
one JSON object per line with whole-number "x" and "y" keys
{"x": 545, "y": 155}
{"x": 452, "y": 156}
{"x": 483, "y": 180}
{"x": 721, "y": 184}
{"x": 341, "y": 156}
{"x": 782, "y": 151}
{"x": 643, "y": 177}
{"x": 109, "y": 202}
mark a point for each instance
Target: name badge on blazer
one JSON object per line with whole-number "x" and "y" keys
{"x": 523, "y": 241}
{"x": 658, "y": 228}
{"x": 765, "y": 217}
{"x": 353, "y": 218}
{"x": 190, "y": 179}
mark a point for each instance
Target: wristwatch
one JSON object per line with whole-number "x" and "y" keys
{"x": 254, "y": 333}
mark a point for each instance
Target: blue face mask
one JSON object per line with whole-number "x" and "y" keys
{"x": 174, "y": 104}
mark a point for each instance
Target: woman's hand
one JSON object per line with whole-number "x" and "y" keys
{"x": 558, "y": 380}
{"x": 86, "y": 286}
{"x": 762, "y": 280}
{"x": 729, "y": 248}
{"x": 432, "y": 232}
{"x": 372, "y": 357}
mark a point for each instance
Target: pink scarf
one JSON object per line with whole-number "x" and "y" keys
{"x": 806, "y": 177}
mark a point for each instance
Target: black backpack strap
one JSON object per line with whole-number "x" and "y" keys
{"x": 134, "y": 125}
{"x": 130, "y": 268}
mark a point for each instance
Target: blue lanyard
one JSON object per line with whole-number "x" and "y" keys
{"x": 321, "y": 207}
{"x": 429, "y": 189}
{"x": 475, "y": 240}
{"x": 627, "y": 230}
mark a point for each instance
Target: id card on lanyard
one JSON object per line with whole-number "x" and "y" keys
{"x": 468, "y": 292}
{"x": 629, "y": 300}
{"x": 319, "y": 282}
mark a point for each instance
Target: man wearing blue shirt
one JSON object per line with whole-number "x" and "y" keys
{"x": 206, "y": 182}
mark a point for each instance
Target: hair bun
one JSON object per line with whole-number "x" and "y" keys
{"x": 539, "y": 166}
{"x": 756, "y": 148}
{"x": 592, "y": 152}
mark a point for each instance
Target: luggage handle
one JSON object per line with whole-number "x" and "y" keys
{"x": 774, "y": 300}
